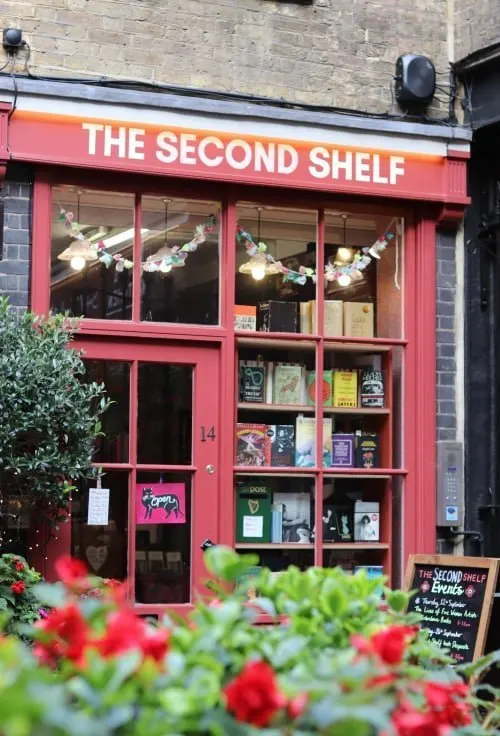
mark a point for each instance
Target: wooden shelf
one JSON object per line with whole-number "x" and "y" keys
{"x": 273, "y": 545}
{"x": 299, "y": 341}
{"x": 356, "y": 545}
{"x": 374, "y": 473}
{"x": 306, "y": 409}
{"x": 326, "y": 545}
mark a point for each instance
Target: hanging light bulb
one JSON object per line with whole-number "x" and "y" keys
{"x": 258, "y": 265}
{"x": 77, "y": 263}
{"x": 344, "y": 280}
{"x": 344, "y": 254}
{"x": 80, "y": 251}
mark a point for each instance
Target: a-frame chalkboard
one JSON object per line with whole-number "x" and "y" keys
{"x": 454, "y": 597}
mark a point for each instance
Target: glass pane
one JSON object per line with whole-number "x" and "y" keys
{"x": 103, "y": 547}
{"x": 265, "y": 301}
{"x": 180, "y": 284}
{"x": 81, "y": 284}
{"x": 112, "y": 447}
{"x": 165, "y": 410}
{"x": 163, "y": 538}
{"x": 363, "y": 290}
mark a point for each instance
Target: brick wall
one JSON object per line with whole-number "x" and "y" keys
{"x": 446, "y": 336}
{"x": 15, "y": 255}
{"x": 477, "y": 25}
{"x": 329, "y": 52}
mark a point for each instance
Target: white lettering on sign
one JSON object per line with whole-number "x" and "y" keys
{"x": 237, "y": 154}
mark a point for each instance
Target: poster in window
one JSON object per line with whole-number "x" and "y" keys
{"x": 160, "y": 503}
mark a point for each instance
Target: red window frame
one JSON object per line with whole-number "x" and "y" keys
{"x": 418, "y": 341}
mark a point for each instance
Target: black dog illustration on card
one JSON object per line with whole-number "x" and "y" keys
{"x": 168, "y": 501}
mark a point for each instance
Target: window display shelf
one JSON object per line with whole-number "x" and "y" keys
{"x": 273, "y": 545}
{"x": 280, "y": 472}
{"x": 290, "y": 340}
{"x": 356, "y": 545}
{"x": 299, "y": 341}
{"x": 306, "y": 409}
{"x": 357, "y": 473}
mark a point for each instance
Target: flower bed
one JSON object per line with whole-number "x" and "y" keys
{"x": 341, "y": 663}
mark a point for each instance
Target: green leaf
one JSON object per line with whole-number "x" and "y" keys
{"x": 288, "y": 649}
{"x": 52, "y": 595}
{"x": 397, "y": 600}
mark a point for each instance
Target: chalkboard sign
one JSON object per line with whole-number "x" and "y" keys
{"x": 454, "y": 598}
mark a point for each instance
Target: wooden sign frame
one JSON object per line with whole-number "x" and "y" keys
{"x": 481, "y": 563}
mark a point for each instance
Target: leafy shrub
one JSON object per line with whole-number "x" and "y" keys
{"x": 341, "y": 663}
{"x": 50, "y": 418}
{"x": 17, "y": 600}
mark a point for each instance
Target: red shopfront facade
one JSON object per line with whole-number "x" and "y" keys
{"x": 134, "y": 185}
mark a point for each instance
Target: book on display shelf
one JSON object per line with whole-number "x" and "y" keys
{"x": 275, "y": 316}
{"x": 371, "y": 388}
{"x": 305, "y": 442}
{"x": 253, "y": 512}
{"x": 358, "y": 319}
{"x": 343, "y": 450}
{"x": 282, "y": 437}
{"x": 253, "y": 446}
{"x": 326, "y": 388}
{"x": 288, "y": 383}
{"x": 252, "y": 381}
{"x": 367, "y": 450}
{"x": 296, "y": 516}
{"x": 366, "y": 521}
{"x": 345, "y": 388}
{"x": 245, "y": 318}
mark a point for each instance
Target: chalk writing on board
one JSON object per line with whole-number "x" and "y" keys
{"x": 450, "y": 602}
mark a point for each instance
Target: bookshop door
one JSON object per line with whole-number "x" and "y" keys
{"x": 160, "y": 461}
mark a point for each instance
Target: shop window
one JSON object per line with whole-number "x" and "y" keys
{"x": 163, "y": 538}
{"x": 103, "y": 547}
{"x": 165, "y": 414}
{"x": 112, "y": 444}
{"x": 178, "y": 290}
{"x": 84, "y": 220}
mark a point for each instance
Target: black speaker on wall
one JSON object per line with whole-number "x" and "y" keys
{"x": 415, "y": 79}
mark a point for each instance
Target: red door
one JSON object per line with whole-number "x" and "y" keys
{"x": 160, "y": 459}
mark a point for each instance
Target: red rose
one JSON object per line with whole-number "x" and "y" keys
{"x": 69, "y": 570}
{"x": 68, "y": 633}
{"x": 18, "y": 588}
{"x": 390, "y": 644}
{"x": 447, "y": 703}
{"x": 253, "y": 696}
{"x": 19, "y": 566}
{"x": 413, "y": 723}
{"x": 124, "y": 631}
{"x": 155, "y": 645}
{"x": 296, "y": 706}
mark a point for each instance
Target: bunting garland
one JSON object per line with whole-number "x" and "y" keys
{"x": 177, "y": 255}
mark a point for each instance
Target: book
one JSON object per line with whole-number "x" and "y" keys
{"x": 358, "y": 319}
{"x": 311, "y": 387}
{"x": 253, "y": 512}
{"x": 245, "y": 582}
{"x": 371, "y": 388}
{"x": 269, "y": 381}
{"x": 253, "y": 445}
{"x": 367, "y": 450}
{"x": 366, "y": 521}
{"x": 345, "y": 388}
{"x": 305, "y": 317}
{"x": 277, "y": 523}
{"x": 296, "y": 516}
{"x": 342, "y": 450}
{"x": 245, "y": 317}
{"x": 330, "y": 530}
{"x": 305, "y": 442}
{"x": 287, "y": 383}
{"x": 252, "y": 381}
{"x": 334, "y": 318}
{"x": 345, "y": 523}
{"x": 276, "y": 316}
{"x": 282, "y": 438}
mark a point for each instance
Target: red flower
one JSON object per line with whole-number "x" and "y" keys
{"x": 447, "y": 703}
{"x": 68, "y": 634}
{"x": 296, "y": 706}
{"x": 69, "y": 570}
{"x": 413, "y": 723}
{"x": 19, "y": 566}
{"x": 155, "y": 645}
{"x": 124, "y": 631}
{"x": 381, "y": 680}
{"x": 390, "y": 643}
{"x": 253, "y": 696}
{"x": 18, "y": 587}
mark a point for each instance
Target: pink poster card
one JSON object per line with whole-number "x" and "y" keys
{"x": 160, "y": 503}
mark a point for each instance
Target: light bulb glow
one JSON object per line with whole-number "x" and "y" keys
{"x": 344, "y": 280}
{"x": 77, "y": 263}
{"x": 165, "y": 267}
{"x": 258, "y": 272}
{"x": 344, "y": 254}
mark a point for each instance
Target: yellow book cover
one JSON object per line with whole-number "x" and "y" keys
{"x": 358, "y": 319}
{"x": 334, "y": 318}
{"x": 345, "y": 388}
{"x": 305, "y": 317}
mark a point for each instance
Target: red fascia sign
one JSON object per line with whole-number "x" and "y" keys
{"x": 228, "y": 157}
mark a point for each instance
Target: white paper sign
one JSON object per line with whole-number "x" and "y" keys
{"x": 253, "y": 526}
{"x": 98, "y": 513}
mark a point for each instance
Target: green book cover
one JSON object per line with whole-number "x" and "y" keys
{"x": 311, "y": 388}
{"x": 253, "y": 512}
